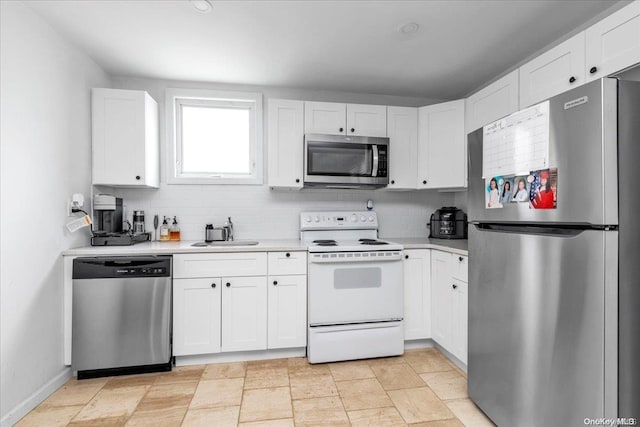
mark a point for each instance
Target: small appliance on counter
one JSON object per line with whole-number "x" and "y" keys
{"x": 108, "y": 213}
{"x": 448, "y": 222}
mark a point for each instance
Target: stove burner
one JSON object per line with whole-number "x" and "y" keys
{"x": 373, "y": 242}
{"x": 326, "y": 242}
{"x": 366, "y": 240}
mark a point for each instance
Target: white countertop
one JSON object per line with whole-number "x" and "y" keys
{"x": 184, "y": 246}
{"x": 460, "y": 246}
{"x": 268, "y": 245}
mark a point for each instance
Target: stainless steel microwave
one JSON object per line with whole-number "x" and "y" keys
{"x": 337, "y": 161}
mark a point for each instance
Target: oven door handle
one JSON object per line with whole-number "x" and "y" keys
{"x": 335, "y": 258}
{"x": 374, "y": 167}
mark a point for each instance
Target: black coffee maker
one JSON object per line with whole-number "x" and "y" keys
{"x": 448, "y": 222}
{"x": 108, "y": 227}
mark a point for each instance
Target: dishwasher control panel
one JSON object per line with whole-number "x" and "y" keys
{"x": 144, "y": 271}
{"x": 118, "y": 267}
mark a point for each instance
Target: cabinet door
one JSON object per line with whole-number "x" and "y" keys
{"x": 196, "y": 316}
{"x": 244, "y": 313}
{"x": 614, "y": 43}
{"x": 124, "y": 138}
{"x": 497, "y": 100}
{"x": 417, "y": 294}
{"x": 441, "y": 298}
{"x": 285, "y": 142}
{"x": 442, "y": 146}
{"x": 366, "y": 120}
{"x": 402, "y": 128}
{"x": 287, "y": 311}
{"x": 555, "y": 71}
{"x": 459, "y": 322}
{"x": 325, "y": 117}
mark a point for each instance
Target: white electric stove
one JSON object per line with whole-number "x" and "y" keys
{"x": 355, "y": 298}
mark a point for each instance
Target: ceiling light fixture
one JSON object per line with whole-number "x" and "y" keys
{"x": 409, "y": 28}
{"x": 202, "y": 6}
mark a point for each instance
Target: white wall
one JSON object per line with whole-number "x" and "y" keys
{"x": 257, "y": 211}
{"x": 45, "y": 150}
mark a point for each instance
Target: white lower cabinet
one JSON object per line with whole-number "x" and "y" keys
{"x": 244, "y": 313}
{"x": 259, "y": 308}
{"x": 449, "y": 303}
{"x": 460, "y": 316}
{"x": 287, "y": 311}
{"x": 196, "y": 316}
{"x": 417, "y": 294}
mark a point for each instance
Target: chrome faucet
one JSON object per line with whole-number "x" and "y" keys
{"x": 229, "y": 227}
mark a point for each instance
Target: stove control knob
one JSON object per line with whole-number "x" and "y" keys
{"x": 370, "y": 218}
{"x": 317, "y": 219}
{"x": 363, "y": 218}
{"x": 354, "y": 218}
{"x": 307, "y": 219}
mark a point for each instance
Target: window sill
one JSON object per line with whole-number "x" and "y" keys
{"x": 214, "y": 181}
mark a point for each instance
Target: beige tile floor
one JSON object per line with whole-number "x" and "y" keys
{"x": 419, "y": 388}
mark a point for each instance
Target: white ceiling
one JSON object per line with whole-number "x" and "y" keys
{"x": 338, "y": 45}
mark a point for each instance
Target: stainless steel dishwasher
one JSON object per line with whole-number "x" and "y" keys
{"x": 121, "y": 315}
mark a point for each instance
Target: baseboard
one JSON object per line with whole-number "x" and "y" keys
{"x": 423, "y": 343}
{"x": 452, "y": 358}
{"x": 23, "y": 408}
{"x": 240, "y": 356}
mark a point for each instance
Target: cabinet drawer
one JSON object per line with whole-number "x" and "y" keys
{"x": 220, "y": 264}
{"x": 460, "y": 267}
{"x": 283, "y": 263}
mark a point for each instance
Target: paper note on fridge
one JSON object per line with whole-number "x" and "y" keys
{"x": 518, "y": 143}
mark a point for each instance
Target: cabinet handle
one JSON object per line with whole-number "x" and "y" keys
{"x": 352, "y": 130}
{"x": 572, "y": 79}
{"x": 228, "y": 285}
{"x": 593, "y": 70}
{"x": 392, "y": 181}
{"x": 297, "y": 180}
{"x": 406, "y": 257}
{"x": 341, "y": 129}
{"x": 455, "y": 286}
{"x": 138, "y": 177}
{"x": 287, "y": 254}
{"x": 424, "y": 181}
{"x": 460, "y": 259}
{"x": 213, "y": 285}
{"x": 275, "y": 283}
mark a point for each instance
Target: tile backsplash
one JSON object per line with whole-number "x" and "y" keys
{"x": 261, "y": 213}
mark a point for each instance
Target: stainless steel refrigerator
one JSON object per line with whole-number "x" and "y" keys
{"x": 554, "y": 294}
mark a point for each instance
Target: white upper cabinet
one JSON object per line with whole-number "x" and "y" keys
{"x": 441, "y": 146}
{"x": 125, "y": 138}
{"x": 555, "y": 71}
{"x": 285, "y": 142}
{"x": 613, "y": 44}
{"x": 333, "y": 118}
{"x": 492, "y": 102}
{"x": 325, "y": 117}
{"x": 402, "y": 128}
{"x": 366, "y": 120}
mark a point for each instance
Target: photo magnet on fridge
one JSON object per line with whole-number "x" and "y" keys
{"x": 492, "y": 192}
{"x": 543, "y": 189}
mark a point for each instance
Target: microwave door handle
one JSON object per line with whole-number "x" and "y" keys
{"x": 374, "y": 168}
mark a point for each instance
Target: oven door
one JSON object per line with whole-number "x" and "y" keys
{"x": 344, "y": 290}
{"x": 331, "y": 159}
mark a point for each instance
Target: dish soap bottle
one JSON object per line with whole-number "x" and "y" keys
{"x": 174, "y": 230}
{"x": 164, "y": 230}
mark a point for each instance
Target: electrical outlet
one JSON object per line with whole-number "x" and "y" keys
{"x": 69, "y": 207}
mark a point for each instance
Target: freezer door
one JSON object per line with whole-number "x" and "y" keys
{"x": 582, "y": 146}
{"x": 537, "y": 326}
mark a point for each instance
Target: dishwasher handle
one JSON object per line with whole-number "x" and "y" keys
{"x": 118, "y": 267}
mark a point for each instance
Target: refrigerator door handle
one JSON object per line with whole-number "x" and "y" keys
{"x": 536, "y": 229}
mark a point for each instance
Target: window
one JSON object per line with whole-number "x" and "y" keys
{"x": 214, "y": 137}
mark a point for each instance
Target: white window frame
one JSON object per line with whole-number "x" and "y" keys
{"x": 174, "y": 98}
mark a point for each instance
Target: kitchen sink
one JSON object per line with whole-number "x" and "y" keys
{"x": 226, "y": 243}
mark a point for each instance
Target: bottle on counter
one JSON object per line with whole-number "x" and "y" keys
{"x": 164, "y": 230}
{"x": 174, "y": 230}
